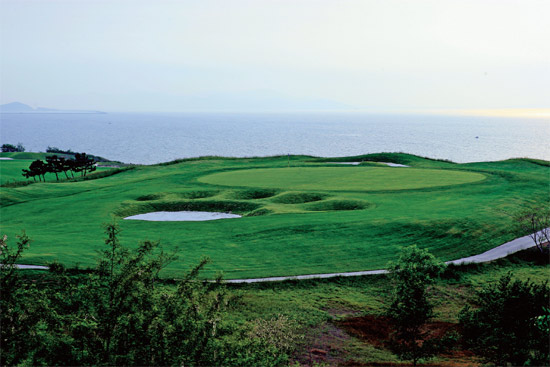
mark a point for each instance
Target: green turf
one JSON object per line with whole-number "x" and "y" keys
{"x": 342, "y": 178}
{"x": 284, "y": 231}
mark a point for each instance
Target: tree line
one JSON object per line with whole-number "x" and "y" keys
{"x": 10, "y": 148}
{"x": 80, "y": 164}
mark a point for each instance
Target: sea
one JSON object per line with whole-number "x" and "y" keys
{"x": 149, "y": 138}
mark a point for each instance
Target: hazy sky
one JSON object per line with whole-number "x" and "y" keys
{"x": 176, "y": 55}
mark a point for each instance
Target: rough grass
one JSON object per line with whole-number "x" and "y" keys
{"x": 298, "y": 197}
{"x": 255, "y": 194}
{"x": 338, "y": 205}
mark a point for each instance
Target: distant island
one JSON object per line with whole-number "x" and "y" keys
{"x": 18, "y": 107}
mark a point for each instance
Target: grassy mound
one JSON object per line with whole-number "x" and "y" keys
{"x": 255, "y": 194}
{"x": 259, "y": 212}
{"x": 199, "y": 194}
{"x": 343, "y": 178}
{"x": 298, "y": 197}
{"x": 150, "y": 197}
{"x": 338, "y": 205}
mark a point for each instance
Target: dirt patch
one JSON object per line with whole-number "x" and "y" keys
{"x": 376, "y": 331}
{"x": 325, "y": 346}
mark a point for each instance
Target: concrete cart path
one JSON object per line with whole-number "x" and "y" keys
{"x": 498, "y": 252}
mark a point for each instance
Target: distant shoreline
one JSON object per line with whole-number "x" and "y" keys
{"x": 54, "y": 113}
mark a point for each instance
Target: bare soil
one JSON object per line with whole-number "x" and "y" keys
{"x": 327, "y": 345}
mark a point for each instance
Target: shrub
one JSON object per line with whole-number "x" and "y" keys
{"x": 504, "y": 329}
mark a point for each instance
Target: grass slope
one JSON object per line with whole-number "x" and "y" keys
{"x": 286, "y": 230}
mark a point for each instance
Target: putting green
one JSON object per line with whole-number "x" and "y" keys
{"x": 342, "y": 178}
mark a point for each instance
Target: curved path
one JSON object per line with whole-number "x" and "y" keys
{"x": 498, "y": 252}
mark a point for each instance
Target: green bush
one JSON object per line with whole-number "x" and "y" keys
{"x": 503, "y": 327}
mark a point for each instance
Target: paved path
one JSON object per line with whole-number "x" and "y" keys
{"x": 32, "y": 267}
{"x": 498, "y": 252}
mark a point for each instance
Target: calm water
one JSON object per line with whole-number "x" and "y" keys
{"x": 154, "y": 138}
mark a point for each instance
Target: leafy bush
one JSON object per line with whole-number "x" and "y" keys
{"x": 503, "y": 329}
{"x": 120, "y": 313}
{"x": 410, "y": 308}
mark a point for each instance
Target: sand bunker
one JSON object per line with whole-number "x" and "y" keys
{"x": 386, "y": 163}
{"x": 185, "y": 216}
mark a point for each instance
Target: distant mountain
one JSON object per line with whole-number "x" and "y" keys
{"x": 18, "y": 107}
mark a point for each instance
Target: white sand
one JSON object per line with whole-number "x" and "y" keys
{"x": 393, "y": 164}
{"x": 185, "y": 216}
{"x": 6, "y": 159}
{"x": 386, "y": 163}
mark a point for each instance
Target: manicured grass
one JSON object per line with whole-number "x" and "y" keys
{"x": 284, "y": 231}
{"x": 342, "y": 178}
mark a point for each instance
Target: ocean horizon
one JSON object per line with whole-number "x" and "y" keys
{"x": 149, "y": 138}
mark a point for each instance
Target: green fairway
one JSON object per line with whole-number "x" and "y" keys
{"x": 342, "y": 178}
{"x": 328, "y": 219}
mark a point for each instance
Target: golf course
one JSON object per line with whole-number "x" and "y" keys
{"x": 300, "y": 214}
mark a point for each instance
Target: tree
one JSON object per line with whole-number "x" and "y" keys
{"x": 13, "y": 148}
{"x": 536, "y": 222}
{"x": 410, "y": 308}
{"x": 505, "y": 328}
{"x": 54, "y": 165}
{"x": 84, "y": 163}
{"x": 37, "y": 168}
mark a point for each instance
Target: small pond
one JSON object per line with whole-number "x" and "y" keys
{"x": 185, "y": 216}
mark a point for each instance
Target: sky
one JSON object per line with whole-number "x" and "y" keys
{"x": 169, "y": 56}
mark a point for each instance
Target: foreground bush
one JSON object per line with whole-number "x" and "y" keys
{"x": 505, "y": 329}
{"x": 120, "y": 314}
